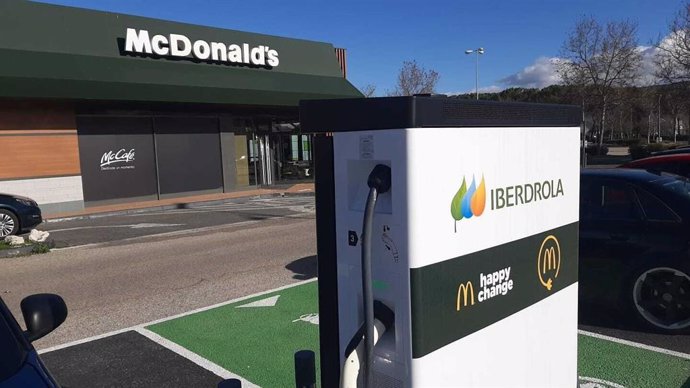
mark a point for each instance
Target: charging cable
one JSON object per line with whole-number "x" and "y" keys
{"x": 379, "y": 182}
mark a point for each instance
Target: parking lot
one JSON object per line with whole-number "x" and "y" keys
{"x": 134, "y": 321}
{"x": 255, "y": 339}
{"x": 187, "y": 219}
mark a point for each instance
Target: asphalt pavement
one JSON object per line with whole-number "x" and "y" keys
{"x": 194, "y": 218}
{"x": 126, "y": 359}
{"x": 128, "y": 275}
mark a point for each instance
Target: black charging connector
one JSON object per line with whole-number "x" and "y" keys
{"x": 380, "y": 178}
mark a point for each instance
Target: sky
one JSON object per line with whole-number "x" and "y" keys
{"x": 519, "y": 37}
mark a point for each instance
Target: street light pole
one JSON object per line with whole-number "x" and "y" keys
{"x": 659, "y": 119}
{"x": 477, "y": 51}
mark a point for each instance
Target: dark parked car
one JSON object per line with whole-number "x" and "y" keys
{"x": 673, "y": 151}
{"x": 18, "y": 214}
{"x": 635, "y": 245}
{"x": 20, "y": 365}
{"x": 678, "y": 164}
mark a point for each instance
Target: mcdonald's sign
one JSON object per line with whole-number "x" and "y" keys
{"x": 549, "y": 261}
{"x": 466, "y": 290}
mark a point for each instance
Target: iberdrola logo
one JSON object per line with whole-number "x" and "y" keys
{"x": 468, "y": 202}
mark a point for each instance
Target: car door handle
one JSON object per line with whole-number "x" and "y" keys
{"x": 619, "y": 237}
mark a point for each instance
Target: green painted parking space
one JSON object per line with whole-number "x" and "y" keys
{"x": 256, "y": 339}
{"x": 630, "y": 366}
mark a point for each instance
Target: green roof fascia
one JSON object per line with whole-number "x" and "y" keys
{"x": 39, "y": 27}
{"x": 51, "y": 75}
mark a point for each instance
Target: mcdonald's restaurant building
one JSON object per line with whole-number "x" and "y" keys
{"x": 99, "y": 108}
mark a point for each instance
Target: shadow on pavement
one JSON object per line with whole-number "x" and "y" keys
{"x": 304, "y": 268}
{"x": 613, "y": 323}
{"x": 125, "y": 360}
{"x": 600, "y": 316}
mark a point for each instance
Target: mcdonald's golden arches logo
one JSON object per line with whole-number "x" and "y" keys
{"x": 467, "y": 292}
{"x": 549, "y": 261}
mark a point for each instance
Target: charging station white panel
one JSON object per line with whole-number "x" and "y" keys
{"x": 507, "y": 159}
{"x": 354, "y": 158}
{"x": 530, "y": 186}
{"x": 524, "y": 350}
{"x": 474, "y": 247}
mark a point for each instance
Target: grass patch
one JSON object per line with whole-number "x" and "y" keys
{"x": 40, "y": 248}
{"x": 36, "y": 247}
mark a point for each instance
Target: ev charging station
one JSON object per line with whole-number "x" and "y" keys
{"x": 447, "y": 241}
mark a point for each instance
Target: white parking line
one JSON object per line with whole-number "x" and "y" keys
{"x": 193, "y": 357}
{"x": 597, "y": 382}
{"x": 635, "y": 344}
{"x": 132, "y": 226}
{"x": 222, "y": 208}
{"x": 214, "y": 229}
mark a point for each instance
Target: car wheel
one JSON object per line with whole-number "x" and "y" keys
{"x": 661, "y": 298}
{"x": 9, "y": 224}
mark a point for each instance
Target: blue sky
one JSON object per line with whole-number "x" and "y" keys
{"x": 518, "y": 36}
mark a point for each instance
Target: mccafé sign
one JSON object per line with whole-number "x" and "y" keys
{"x": 176, "y": 45}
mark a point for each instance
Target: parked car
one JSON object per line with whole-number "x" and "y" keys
{"x": 296, "y": 170}
{"x": 18, "y": 214}
{"x": 673, "y": 151}
{"x": 635, "y": 245}
{"x": 20, "y": 365}
{"x": 674, "y": 163}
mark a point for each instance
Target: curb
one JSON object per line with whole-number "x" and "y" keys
{"x": 27, "y": 249}
{"x": 189, "y": 205}
{"x": 10, "y": 253}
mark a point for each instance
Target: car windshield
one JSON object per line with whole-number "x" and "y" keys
{"x": 679, "y": 186}
{"x": 11, "y": 351}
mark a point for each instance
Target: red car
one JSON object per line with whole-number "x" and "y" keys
{"x": 678, "y": 164}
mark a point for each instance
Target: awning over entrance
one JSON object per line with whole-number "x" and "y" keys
{"x": 68, "y": 53}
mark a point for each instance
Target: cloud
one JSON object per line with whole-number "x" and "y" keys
{"x": 539, "y": 74}
{"x": 647, "y": 66}
{"x": 542, "y": 72}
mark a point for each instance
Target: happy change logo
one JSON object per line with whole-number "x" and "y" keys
{"x": 468, "y": 202}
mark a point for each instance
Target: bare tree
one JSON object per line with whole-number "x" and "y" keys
{"x": 676, "y": 102}
{"x": 673, "y": 55}
{"x": 600, "y": 58}
{"x": 415, "y": 79}
{"x": 368, "y": 90}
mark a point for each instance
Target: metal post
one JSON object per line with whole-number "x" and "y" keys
{"x": 476, "y": 75}
{"x": 659, "y": 119}
{"x": 305, "y": 369}
{"x": 476, "y": 52}
{"x": 255, "y": 157}
{"x": 583, "y": 127}
{"x": 230, "y": 383}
